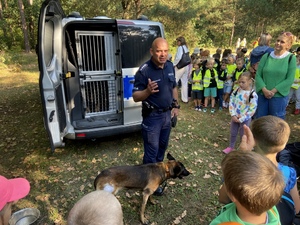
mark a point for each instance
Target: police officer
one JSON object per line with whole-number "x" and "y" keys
{"x": 155, "y": 86}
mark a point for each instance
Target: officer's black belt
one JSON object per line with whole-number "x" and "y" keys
{"x": 161, "y": 110}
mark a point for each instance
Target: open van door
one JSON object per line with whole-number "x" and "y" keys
{"x": 49, "y": 50}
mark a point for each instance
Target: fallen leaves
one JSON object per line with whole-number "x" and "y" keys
{"x": 180, "y": 217}
{"x": 206, "y": 176}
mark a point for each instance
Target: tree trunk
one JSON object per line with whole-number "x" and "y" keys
{"x": 126, "y": 4}
{"x": 24, "y": 26}
{"x": 137, "y": 9}
{"x": 31, "y": 30}
{"x": 232, "y": 30}
{"x": 3, "y": 26}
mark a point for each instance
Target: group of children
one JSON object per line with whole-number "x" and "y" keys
{"x": 257, "y": 189}
{"x": 213, "y": 79}
{"x": 263, "y": 191}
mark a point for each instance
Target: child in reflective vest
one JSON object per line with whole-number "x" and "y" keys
{"x": 210, "y": 81}
{"x": 295, "y": 90}
{"x": 238, "y": 71}
{"x": 197, "y": 84}
{"x": 228, "y": 83}
{"x": 222, "y": 75}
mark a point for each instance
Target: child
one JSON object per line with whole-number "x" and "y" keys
{"x": 11, "y": 190}
{"x": 242, "y": 106}
{"x": 254, "y": 185}
{"x": 240, "y": 68}
{"x": 222, "y": 75}
{"x": 269, "y": 144}
{"x": 295, "y": 90}
{"x": 97, "y": 207}
{"x": 228, "y": 82}
{"x": 210, "y": 84}
{"x": 197, "y": 84}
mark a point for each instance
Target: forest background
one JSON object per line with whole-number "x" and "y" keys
{"x": 204, "y": 24}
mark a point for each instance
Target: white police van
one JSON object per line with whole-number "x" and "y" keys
{"x": 87, "y": 68}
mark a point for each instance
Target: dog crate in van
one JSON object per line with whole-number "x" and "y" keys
{"x": 87, "y": 68}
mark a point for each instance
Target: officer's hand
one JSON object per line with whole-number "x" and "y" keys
{"x": 152, "y": 86}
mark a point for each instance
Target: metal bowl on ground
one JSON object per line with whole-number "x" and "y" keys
{"x": 24, "y": 216}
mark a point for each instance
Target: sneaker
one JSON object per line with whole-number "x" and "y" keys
{"x": 297, "y": 111}
{"x": 160, "y": 190}
{"x": 196, "y": 108}
{"x": 204, "y": 110}
{"x": 227, "y": 150}
{"x": 212, "y": 110}
{"x": 199, "y": 108}
{"x": 220, "y": 108}
{"x": 224, "y": 104}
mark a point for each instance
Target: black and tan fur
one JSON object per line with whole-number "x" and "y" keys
{"x": 146, "y": 177}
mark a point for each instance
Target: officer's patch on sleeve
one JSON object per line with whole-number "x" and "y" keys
{"x": 143, "y": 67}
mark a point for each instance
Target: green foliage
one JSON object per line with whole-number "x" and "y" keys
{"x": 203, "y": 23}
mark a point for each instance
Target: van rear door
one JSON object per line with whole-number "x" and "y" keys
{"x": 49, "y": 50}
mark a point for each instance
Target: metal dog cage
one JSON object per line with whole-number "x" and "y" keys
{"x": 97, "y": 71}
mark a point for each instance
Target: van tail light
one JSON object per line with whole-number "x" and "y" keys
{"x": 81, "y": 135}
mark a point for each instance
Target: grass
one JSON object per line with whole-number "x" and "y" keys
{"x": 59, "y": 179}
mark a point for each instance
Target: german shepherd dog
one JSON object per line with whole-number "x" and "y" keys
{"x": 146, "y": 177}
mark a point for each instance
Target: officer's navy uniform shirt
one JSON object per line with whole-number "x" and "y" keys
{"x": 165, "y": 79}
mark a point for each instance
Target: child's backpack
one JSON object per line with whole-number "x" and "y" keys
{"x": 286, "y": 209}
{"x": 290, "y": 156}
{"x": 250, "y": 95}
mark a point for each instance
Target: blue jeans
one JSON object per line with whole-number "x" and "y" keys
{"x": 220, "y": 96}
{"x": 156, "y": 129}
{"x": 275, "y": 106}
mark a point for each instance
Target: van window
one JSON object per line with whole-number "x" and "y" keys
{"x": 136, "y": 42}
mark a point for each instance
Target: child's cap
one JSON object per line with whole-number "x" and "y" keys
{"x": 12, "y": 190}
{"x": 196, "y": 51}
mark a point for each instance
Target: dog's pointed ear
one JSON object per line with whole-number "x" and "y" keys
{"x": 170, "y": 157}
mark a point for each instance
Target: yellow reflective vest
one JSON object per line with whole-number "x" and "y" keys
{"x": 220, "y": 83}
{"x": 207, "y": 78}
{"x": 197, "y": 81}
{"x": 296, "y": 83}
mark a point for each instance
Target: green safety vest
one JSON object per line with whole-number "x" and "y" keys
{"x": 297, "y": 77}
{"x": 237, "y": 74}
{"x": 197, "y": 86}
{"x": 207, "y": 76}
{"x": 220, "y": 83}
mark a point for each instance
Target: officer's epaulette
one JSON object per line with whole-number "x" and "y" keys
{"x": 143, "y": 67}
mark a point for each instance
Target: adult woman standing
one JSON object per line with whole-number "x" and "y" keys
{"x": 182, "y": 74}
{"x": 274, "y": 77}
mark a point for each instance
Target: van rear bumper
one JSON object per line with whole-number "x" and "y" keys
{"x": 103, "y": 132}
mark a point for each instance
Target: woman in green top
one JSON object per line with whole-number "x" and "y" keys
{"x": 274, "y": 78}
